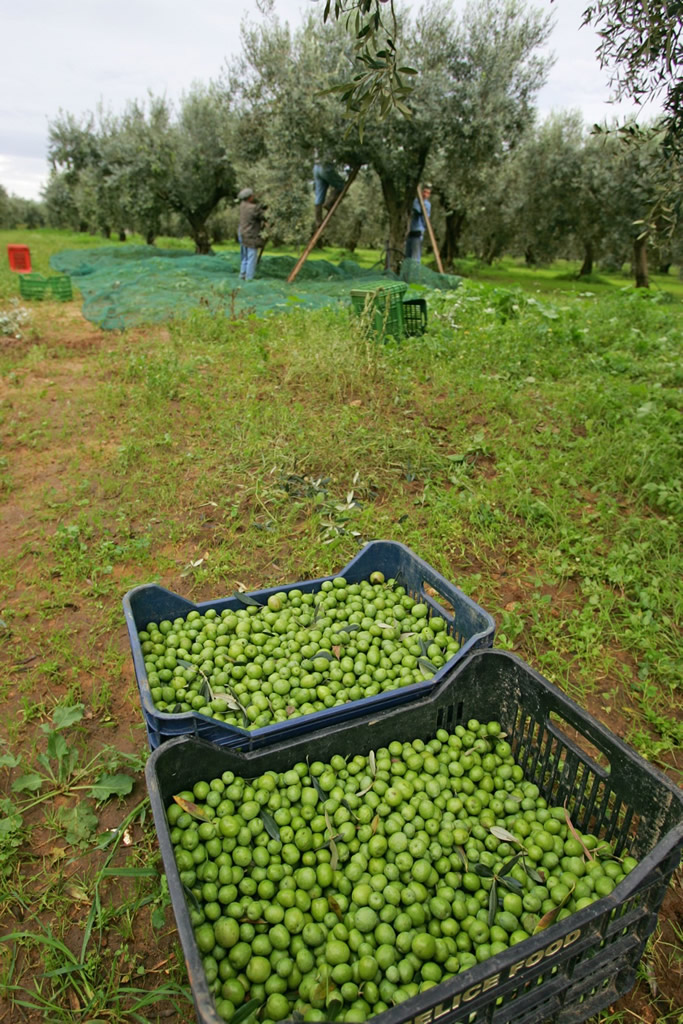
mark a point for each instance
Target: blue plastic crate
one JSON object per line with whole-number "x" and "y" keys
{"x": 471, "y": 625}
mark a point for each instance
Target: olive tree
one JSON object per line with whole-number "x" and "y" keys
{"x": 199, "y": 169}
{"x": 496, "y": 71}
{"x": 130, "y": 171}
{"x": 473, "y": 94}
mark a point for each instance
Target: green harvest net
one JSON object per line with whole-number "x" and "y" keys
{"x": 127, "y": 287}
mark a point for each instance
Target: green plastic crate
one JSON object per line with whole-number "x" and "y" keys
{"x": 382, "y": 308}
{"x": 33, "y": 286}
{"x": 61, "y": 288}
{"x": 36, "y": 286}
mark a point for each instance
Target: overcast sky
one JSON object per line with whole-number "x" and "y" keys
{"x": 76, "y": 54}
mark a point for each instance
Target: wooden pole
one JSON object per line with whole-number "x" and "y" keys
{"x": 430, "y": 229}
{"x": 319, "y": 230}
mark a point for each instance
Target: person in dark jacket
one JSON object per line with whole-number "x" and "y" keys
{"x": 252, "y": 220}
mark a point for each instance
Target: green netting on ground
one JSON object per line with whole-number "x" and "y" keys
{"x": 133, "y": 285}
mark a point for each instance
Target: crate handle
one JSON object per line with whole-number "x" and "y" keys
{"x": 431, "y": 599}
{"x": 554, "y": 722}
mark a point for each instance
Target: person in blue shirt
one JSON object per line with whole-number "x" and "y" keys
{"x": 418, "y": 225}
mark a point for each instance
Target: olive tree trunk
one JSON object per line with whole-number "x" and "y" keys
{"x": 587, "y": 265}
{"x": 640, "y": 262}
{"x": 450, "y": 250}
{"x": 398, "y": 216}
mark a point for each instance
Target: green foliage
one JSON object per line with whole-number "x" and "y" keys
{"x": 381, "y": 84}
{"x": 430, "y": 91}
{"x": 16, "y": 212}
{"x": 111, "y": 173}
{"x": 471, "y": 99}
{"x": 641, "y": 45}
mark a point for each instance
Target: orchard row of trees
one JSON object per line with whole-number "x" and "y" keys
{"x": 502, "y": 183}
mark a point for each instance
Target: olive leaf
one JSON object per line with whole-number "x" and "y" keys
{"x": 460, "y": 850}
{"x": 351, "y": 628}
{"x": 533, "y": 873}
{"x": 236, "y": 704}
{"x": 205, "y": 689}
{"x": 191, "y": 898}
{"x": 549, "y": 918}
{"x": 232, "y": 702}
{"x": 503, "y": 834}
{"x": 327, "y": 655}
{"x": 334, "y": 852}
{"x": 270, "y": 824}
{"x": 318, "y": 788}
{"x": 190, "y": 808}
{"x": 426, "y": 667}
{"x": 493, "y": 904}
{"x": 511, "y": 883}
{"x": 510, "y": 863}
{"x": 373, "y": 763}
{"x": 349, "y": 808}
{"x": 321, "y": 991}
{"x": 246, "y": 1010}
{"x": 576, "y": 834}
{"x": 246, "y": 599}
{"x": 483, "y": 871}
{"x": 318, "y": 607}
{"x": 334, "y": 906}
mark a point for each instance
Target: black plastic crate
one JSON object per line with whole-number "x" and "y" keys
{"x": 473, "y": 627}
{"x": 414, "y": 317}
{"x": 575, "y": 967}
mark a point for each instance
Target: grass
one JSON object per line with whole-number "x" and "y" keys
{"x": 528, "y": 446}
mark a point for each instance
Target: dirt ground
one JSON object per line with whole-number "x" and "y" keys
{"x": 35, "y": 472}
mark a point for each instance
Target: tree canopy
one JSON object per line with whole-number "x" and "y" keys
{"x": 642, "y": 45}
{"x": 501, "y": 182}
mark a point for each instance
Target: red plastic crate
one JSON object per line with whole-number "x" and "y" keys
{"x": 19, "y": 258}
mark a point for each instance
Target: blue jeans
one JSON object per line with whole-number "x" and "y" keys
{"x": 249, "y": 258}
{"x": 414, "y": 247}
